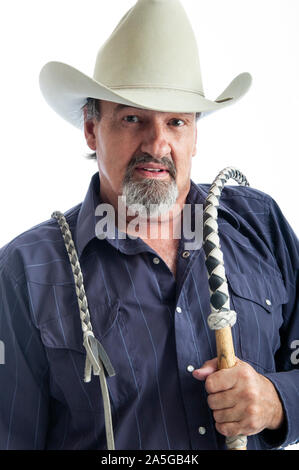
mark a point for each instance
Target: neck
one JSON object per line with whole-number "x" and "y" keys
{"x": 163, "y": 227}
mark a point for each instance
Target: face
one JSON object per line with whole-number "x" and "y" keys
{"x": 144, "y": 155}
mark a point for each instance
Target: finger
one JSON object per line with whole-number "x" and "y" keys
{"x": 234, "y": 414}
{"x": 236, "y": 428}
{"x": 220, "y": 381}
{"x": 226, "y": 379}
{"x": 222, "y": 400}
{"x": 209, "y": 367}
{"x": 229, "y": 429}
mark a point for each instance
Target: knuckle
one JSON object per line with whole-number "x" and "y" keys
{"x": 251, "y": 426}
{"x": 245, "y": 373}
{"x": 252, "y": 421}
{"x": 226, "y": 429}
{"x": 252, "y": 411}
{"x": 209, "y": 384}
{"x": 250, "y": 395}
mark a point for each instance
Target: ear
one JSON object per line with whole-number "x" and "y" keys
{"x": 194, "y": 150}
{"x": 89, "y": 132}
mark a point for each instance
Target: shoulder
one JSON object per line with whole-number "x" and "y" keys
{"x": 37, "y": 245}
{"x": 247, "y": 204}
{"x": 255, "y": 213}
{"x": 261, "y": 223}
{"x": 244, "y": 194}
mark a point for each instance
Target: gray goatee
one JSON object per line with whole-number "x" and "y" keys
{"x": 157, "y": 196}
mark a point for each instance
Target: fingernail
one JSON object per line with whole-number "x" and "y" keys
{"x": 197, "y": 374}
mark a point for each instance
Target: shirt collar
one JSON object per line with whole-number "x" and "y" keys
{"x": 198, "y": 194}
{"x": 86, "y": 222}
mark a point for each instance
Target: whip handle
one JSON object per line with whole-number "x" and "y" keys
{"x": 226, "y": 360}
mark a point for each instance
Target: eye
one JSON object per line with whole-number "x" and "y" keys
{"x": 178, "y": 122}
{"x": 131, "y": 118}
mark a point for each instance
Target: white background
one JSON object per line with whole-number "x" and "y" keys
{"x": 42, "y": 164}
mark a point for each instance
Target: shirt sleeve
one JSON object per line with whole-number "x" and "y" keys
{"x": 285, "y": 248}
{"x": 23, "y": 370}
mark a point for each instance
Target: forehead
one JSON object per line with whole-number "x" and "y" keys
{"x": 117, "y": 108}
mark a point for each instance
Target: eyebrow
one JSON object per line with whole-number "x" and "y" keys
{"x": 119, "y": 107}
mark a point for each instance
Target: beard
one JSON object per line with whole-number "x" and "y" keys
{"x": 156, "y": 196}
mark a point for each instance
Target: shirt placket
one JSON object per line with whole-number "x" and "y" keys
{"x": 189, "y": 357}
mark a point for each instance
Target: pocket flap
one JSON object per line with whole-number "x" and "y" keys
{"x": 65, "y": 331}
{"x": 264, "y": 290}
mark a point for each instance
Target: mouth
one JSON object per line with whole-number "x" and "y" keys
{"x": 152, "y": 171}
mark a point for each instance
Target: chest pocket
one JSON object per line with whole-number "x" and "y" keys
{"x": 257, "y": 300}
{"x": 63, "y": 340}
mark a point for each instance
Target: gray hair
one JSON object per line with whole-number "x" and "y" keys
{"x": 93, "y": 111}
{"x": 92, "y": 107}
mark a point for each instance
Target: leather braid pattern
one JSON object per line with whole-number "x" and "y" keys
{"x": 221, "y": 315}
{"x": 96, "y": 356}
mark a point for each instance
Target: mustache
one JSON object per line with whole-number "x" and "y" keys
{"x": 147, "y": 158}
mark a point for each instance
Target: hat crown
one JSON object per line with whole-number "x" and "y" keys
{"x": 150, "y": 61}
{"x": 152, "y": 46}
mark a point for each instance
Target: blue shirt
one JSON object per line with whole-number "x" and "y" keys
{"x": 152, "y": 326}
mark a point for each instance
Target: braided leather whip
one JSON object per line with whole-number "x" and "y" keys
{"x": 96, "y": 356}
{"x": 222, "y": 318}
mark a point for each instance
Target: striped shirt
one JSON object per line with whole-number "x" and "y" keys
{"x": 152, "y": 325}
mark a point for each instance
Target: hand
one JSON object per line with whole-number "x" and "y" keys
{"x": 243, "y": 401}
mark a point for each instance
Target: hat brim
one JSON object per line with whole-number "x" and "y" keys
{"x": 66, "y": 89}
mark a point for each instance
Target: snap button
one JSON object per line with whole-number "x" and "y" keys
{"x": 202, "y": 430}
{"x": 186, "y": 254}
{"x": 179, "y": 310}
{"x": 156, "y": 260}
{"x": 190, "y": 368}
{"x": 268, "y": 302}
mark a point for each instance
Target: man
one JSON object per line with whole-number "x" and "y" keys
{"x": 148, "y": 297}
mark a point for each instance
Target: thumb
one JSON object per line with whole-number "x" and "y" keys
{"x": 206, "y": 369}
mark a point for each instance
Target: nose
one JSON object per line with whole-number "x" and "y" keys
{"x": 155, "y": 141}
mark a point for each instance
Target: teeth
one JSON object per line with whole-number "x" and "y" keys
{"x": 152, "y": 169}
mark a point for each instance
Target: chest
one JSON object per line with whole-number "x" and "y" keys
{"x": 167, "y": 250}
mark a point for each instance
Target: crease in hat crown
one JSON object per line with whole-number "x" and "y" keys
{"x": 149, "y": 61}
{"x": 155, "y": 45}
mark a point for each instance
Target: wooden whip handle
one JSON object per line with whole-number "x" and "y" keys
{"x": 226, "y": 354}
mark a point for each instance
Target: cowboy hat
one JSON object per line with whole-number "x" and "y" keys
{"x": 149, "y": 61}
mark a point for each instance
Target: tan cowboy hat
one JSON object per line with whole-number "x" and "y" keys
{"x": 150, "y": 61}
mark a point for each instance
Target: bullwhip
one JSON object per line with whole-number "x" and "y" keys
{"x": 96, "y": 357}
{"x": 221, "y": 318}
